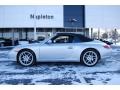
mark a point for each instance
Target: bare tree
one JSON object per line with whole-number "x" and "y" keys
{"x": 105, "y": 35}
{"x": 114, "y": 34}
{"x": 95, "y": 35}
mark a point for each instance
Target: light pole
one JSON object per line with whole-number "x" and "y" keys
{"x": 91, "y": 32}
{"x": 98, "y": 33}
{"x": 35, "y": 30}
{"x": 13, "y": 36}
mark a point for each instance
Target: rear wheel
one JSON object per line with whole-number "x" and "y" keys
{"x": 26, "y": 57}
{"x": 90, "y": 57}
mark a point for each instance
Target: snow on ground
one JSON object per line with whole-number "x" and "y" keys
{"x": 106, "y": 72}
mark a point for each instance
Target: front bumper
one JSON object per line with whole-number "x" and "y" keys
{"x": 12, "y": 55}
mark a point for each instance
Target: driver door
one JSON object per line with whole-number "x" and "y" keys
{"x": 59, "y": 50}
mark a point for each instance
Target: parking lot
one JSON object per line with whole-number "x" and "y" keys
{"x": 107, "y": 71}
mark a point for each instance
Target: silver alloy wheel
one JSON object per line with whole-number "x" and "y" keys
{"x": 90, "y": 58}
{"x": 26, "y": 58}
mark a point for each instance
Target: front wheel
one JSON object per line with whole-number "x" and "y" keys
{"x": 26, "y": 58}
{"x": 90, "y": 57}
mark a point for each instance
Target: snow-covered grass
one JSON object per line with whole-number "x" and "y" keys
{"x": 107, "y": 71}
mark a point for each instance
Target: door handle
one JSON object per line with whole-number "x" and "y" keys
{"x": 70, "y": 47}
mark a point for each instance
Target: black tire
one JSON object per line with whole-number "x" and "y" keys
{"x": 90, "y": 60}
{"x": 22, "y": 62}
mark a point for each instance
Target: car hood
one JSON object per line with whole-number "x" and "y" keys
{"x": 28, "y": 45}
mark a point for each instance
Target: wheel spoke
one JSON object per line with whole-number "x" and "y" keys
{"x": 90, "y": 58}
{"x": 26, "y": 58}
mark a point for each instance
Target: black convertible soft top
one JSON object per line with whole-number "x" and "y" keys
{"x": 80, "y": 36}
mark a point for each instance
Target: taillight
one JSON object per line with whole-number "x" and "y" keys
{"x": 107, "y": 46}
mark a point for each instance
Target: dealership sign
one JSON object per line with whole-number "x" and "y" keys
{"x": 30, "y": 16}
{"x": 41, "y": 16}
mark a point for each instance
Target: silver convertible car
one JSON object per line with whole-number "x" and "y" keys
{"x": 61, "y": 47}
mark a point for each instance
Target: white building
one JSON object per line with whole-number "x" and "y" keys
{"x": 31, "y": 22}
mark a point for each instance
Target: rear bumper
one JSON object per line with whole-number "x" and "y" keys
{"x": 106, "y": 53}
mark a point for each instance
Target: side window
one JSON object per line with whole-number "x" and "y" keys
{"x": 62, "y": 39}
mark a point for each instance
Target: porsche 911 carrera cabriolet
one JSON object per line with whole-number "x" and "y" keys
{"x": 61, "y": 47}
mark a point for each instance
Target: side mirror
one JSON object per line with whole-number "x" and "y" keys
{"x": 49, "y": 41}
